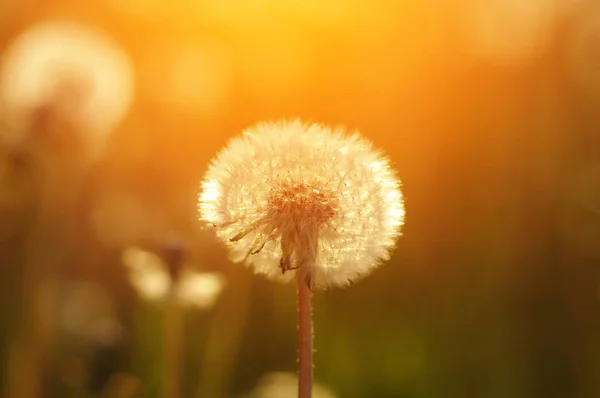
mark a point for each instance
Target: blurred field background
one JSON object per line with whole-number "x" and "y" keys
{"x": 489, "y": 109}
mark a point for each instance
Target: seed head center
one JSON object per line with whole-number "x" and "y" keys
{"x": 302, "y": 202}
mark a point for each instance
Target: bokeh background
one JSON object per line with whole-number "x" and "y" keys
{"x": 489, "y": 110}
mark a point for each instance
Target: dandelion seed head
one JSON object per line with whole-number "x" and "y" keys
{"x": 75, "y": 67}
{"x": 289, "y": 196}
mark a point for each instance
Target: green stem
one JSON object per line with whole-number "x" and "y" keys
{"x": 224, "y": 337}
{"x": 305, "y": 338}
{"x": 172, "y": 344}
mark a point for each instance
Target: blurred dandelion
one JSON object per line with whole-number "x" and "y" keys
{"x": 62, "y": 85}
{"x": 86, "y": 77}
{"x": 285, "y": 385}
{"x": 294, "y": 199}
{"x": 163, "y": 278}
{"x": 149, "y": 275}
{"x": 289, "y": 196}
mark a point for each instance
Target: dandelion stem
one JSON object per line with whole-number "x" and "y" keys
{"x": 172, "y": 345}
{"x": 26, "y": 356}
{"x": 305, "y": 338}
{"x": 173, "y": 254}
{"x": 224, "y": 338}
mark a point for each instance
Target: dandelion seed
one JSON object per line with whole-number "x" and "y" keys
{"x": 290, "y": 197}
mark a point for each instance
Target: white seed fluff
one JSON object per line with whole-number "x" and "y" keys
{"x": 292, "y": 197}
{"x": 53, "y": 57}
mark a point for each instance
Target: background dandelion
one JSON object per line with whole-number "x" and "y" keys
{"x": 149, "y": 274}
{"x": 48, "y": 95}
{"x": 79, "y": 69}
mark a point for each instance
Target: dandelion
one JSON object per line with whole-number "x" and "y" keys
{"x": 75, "y": 69}
{"x": 150, "y": 277}
{"x": 295, "y": 199}
{"x": 62, "y": 85}
{"x": 164, "y": 278}
{"x": 291, "y": 197}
